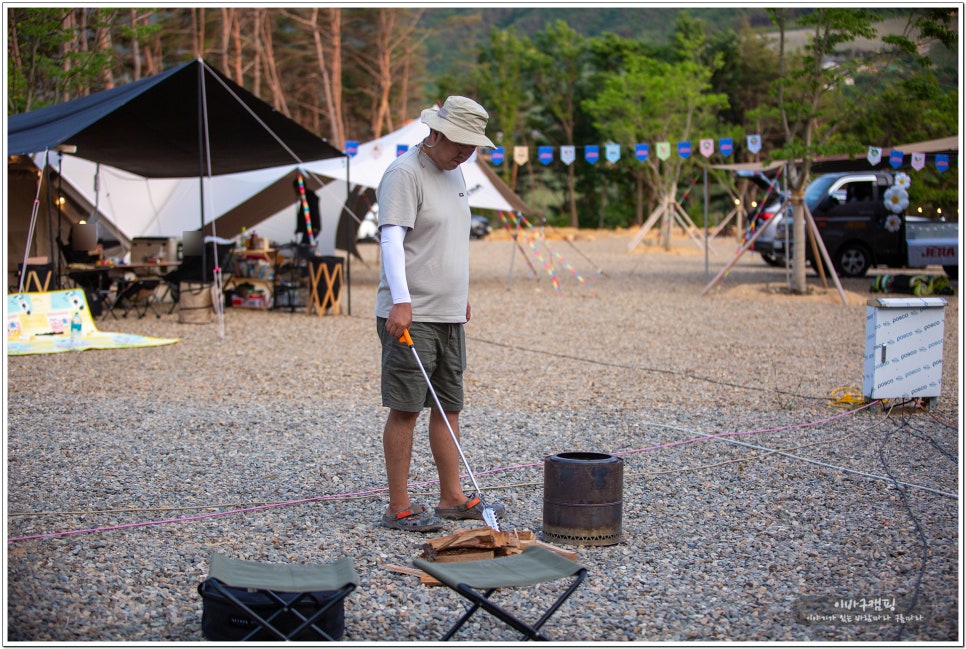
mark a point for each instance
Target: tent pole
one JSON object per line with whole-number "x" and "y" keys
{"x": 348, "y": 257}
{"x": 50, "y": 211}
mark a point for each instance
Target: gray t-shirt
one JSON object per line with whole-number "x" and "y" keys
{"x": 433, "y": 205}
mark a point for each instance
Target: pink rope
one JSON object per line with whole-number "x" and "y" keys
{"x": 244, "y": 510}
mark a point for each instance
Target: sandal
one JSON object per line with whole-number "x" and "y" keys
{"x": 415, "y": 519}
{"x": 472, "y": 509}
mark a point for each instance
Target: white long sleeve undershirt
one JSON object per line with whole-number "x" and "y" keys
{"x": 394, "y": 261}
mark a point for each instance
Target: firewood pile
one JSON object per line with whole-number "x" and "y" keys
{"x": 474, "y": 545}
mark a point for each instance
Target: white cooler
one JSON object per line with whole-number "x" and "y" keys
{"x": 904, "y": 348}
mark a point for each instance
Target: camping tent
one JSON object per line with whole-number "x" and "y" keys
{"x": 263, "y": 200}
{"x": 190, "y": 122}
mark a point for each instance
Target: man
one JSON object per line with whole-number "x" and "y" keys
{"x": 424, "y": 224}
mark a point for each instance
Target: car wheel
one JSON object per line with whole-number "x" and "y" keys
{"x": 772, "y": 260}
{"x": 853, "y": 260}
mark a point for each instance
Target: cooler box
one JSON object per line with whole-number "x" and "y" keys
{"x": 903, "y": 348}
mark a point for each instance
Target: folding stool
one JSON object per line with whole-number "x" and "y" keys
{"x": 293, "y": 601}
{"x": 478, "y": 580}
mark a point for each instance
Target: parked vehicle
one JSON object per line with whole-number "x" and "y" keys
{"x": 861, "y": 232}
{"x": 479, "y": 227}
{"x": 767, "y": 215}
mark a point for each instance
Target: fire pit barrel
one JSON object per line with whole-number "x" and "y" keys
{"x": 582, "y": 498}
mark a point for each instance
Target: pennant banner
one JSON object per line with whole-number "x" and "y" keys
{"x": 545, "y": 154}
{"x": 642, "y": 151}
{"x": 613, "y": 153}
{"x": 754, "y": 143}
{"x": 401, "y": 149}
{"x": 568, "y": 154}
{"x": 874, "y": 156}
{"x": 351, "y": 147}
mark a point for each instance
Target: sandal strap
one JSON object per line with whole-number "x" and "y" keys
{"x": 412, "y": 511}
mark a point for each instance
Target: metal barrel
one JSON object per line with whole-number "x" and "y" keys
{"x": 582, "y": 498}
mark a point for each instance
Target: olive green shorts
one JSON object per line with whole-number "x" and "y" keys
{"x": 442, "y": 350}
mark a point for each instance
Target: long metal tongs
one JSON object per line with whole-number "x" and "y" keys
{"x": 489, "y": 516}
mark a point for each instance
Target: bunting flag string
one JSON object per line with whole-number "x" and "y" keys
{"x": 533, "y": 237}
{"x": 305, "y": 207}
{"x": 683, "y": 148}
{"x": 555, "y": 253}
{"x": 516, "y": 240}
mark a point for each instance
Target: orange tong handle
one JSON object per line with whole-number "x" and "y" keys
{"x": 404, "y": 338}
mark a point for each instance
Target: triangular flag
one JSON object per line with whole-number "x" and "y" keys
{"x": 521, "y": 155}
{"x": 591, "y": 153}
{"x": 707, "y": 147}
{"x": 942, "y": 162}
{"x": 497, "y": 155}
{"x": 726, "y": 146}
{"x": 663, "y": 150}
{"x": 918, "y": 161}
{"x": 754, "y": 143}
{"x": 545, "y": 154}
{"x": 874, "y": 156}
{"x": 613, "y": 153}
{"x": 642, "y": 151}
{"x": 568, "y": 153}
{"x": 895, "y": 158}
{"x": 684, "y": 149}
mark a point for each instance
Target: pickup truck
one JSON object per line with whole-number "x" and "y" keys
{"x": 860, "y": 232}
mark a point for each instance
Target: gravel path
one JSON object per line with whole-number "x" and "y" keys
{"x": 746, "y": 493}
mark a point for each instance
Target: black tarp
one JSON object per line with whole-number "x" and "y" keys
{"x": 154, "y": 127}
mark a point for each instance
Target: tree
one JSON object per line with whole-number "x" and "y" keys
{"x": 555, "y": 69}
{"x": 806, "y": 80}
{"x": 499, "y": 77}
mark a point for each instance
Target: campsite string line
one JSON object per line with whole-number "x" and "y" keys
{"x": 370, "y": 492}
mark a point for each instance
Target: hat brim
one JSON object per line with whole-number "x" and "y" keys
{"x": 454, "y": 133}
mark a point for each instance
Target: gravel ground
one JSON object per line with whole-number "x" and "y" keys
{"x": 128, "y": 468}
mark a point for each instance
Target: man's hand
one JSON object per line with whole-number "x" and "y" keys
{"x": 400, "y": 317}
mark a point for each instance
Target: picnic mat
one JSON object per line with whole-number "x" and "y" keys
{"x": 39, "y": 323}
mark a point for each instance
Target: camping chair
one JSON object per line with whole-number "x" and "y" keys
{"x": 478, "y": 580}
{"x": 137, "y": 295}
{"x": 192, "y": 271}
{"x": 38, "y": 274}
{"x": 251, "y": 600}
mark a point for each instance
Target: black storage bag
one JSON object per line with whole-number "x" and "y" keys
{"x": 222, "y": 620}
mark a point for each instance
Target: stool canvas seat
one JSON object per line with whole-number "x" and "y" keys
{"x": 478, "y": 581}
{"x": 275, "y": 601}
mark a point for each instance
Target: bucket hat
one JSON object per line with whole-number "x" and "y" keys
{"x": 461, "y": 120}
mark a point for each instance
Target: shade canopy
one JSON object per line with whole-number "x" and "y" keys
{"x": 170, "y": 125}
